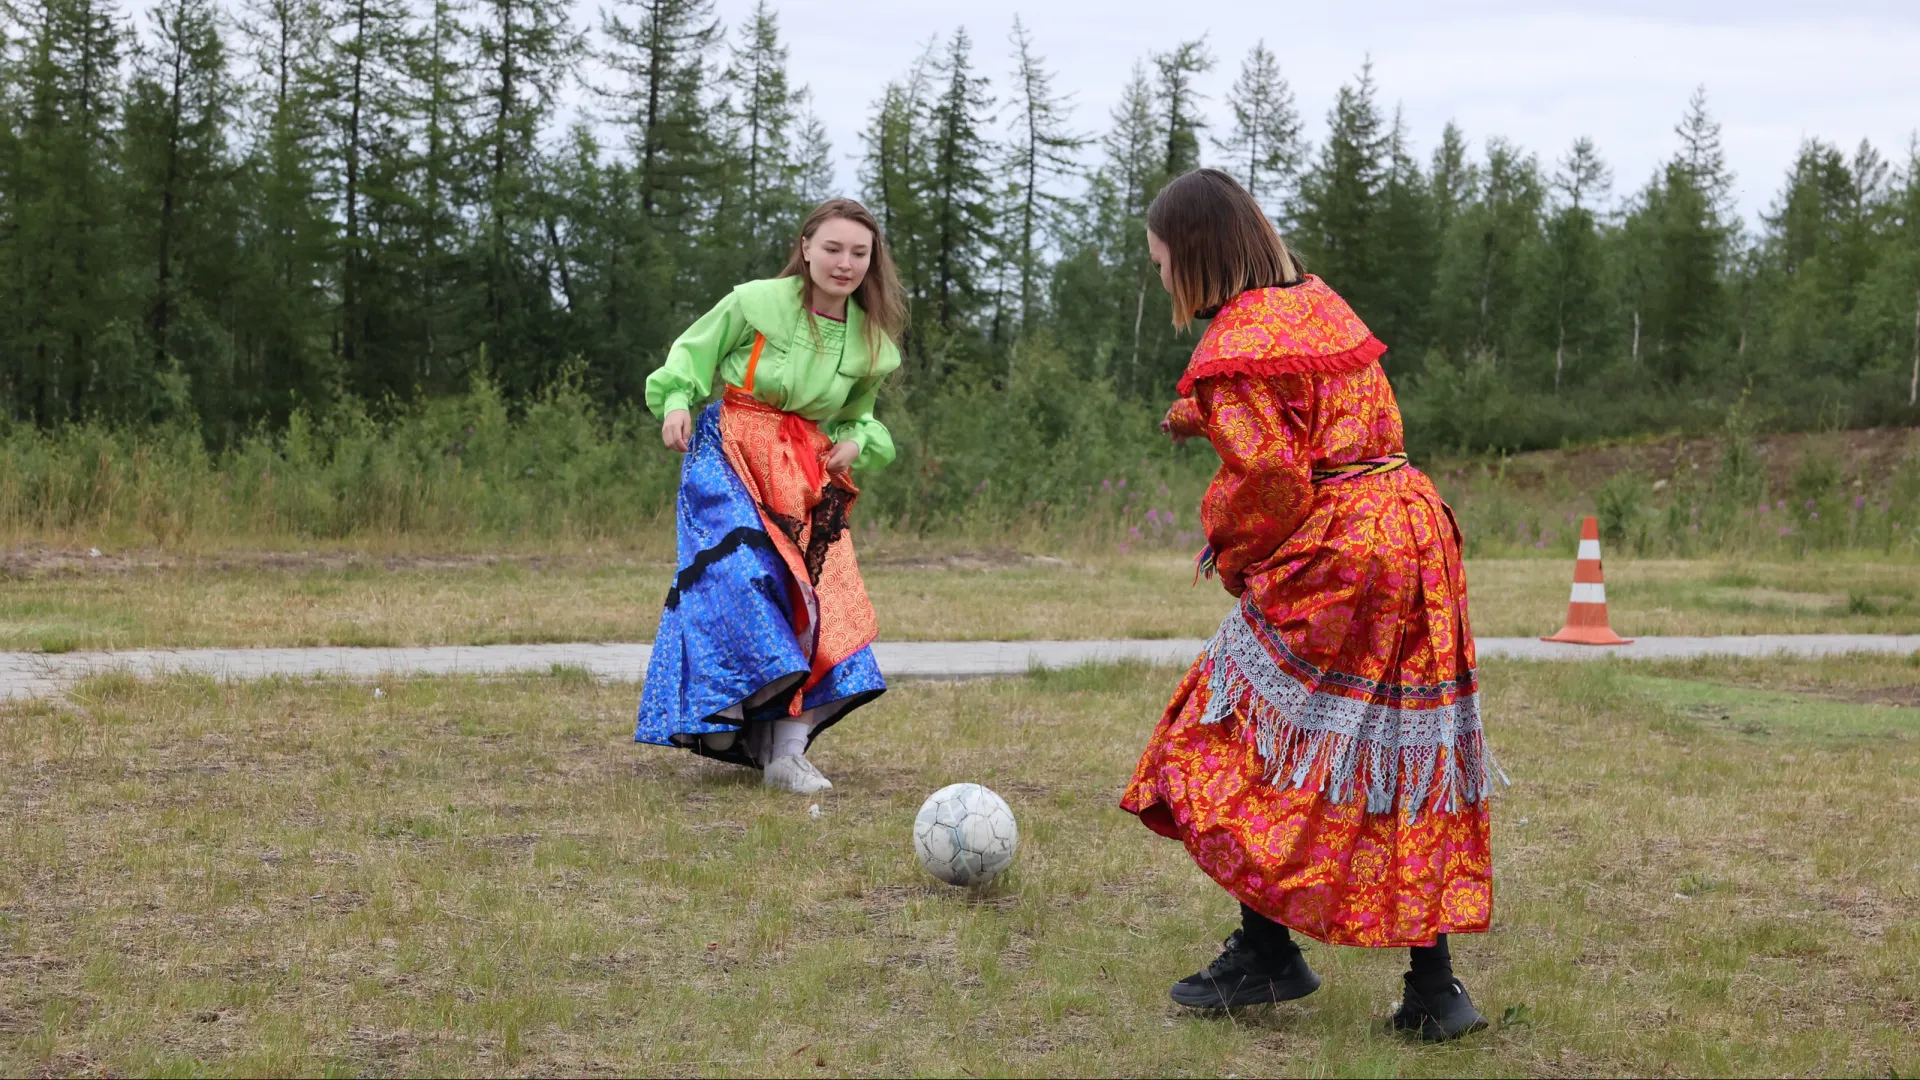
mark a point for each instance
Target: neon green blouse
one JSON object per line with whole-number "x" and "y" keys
{"x": 824, "y": 371}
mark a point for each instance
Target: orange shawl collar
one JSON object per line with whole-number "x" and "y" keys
{"x": 1283, "y": 331}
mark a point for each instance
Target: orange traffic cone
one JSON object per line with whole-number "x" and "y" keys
{"x": 1587, "y": 610}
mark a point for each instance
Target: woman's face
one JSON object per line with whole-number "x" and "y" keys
{"x": 838, "y": 254}
{"x": 1162, "y": 259}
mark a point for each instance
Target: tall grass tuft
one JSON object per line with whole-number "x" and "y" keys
{"x": 450, "y": 470}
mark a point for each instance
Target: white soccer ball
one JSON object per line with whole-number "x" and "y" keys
{"x": 965, "y": 834}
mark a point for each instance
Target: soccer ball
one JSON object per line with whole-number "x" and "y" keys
{"x": 965, "y": 834}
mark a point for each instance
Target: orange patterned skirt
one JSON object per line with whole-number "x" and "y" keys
{"x": 778, "y": 457}
{"x": 1323, "y": 760}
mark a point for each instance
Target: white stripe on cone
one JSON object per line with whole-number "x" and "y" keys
{"x": 1589, "y": 592}
{"x": 1590, "y": 549}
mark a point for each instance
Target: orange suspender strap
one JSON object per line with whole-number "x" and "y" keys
{"x": 753, "y": 362}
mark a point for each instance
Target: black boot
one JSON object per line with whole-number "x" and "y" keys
{"x": 1244, "y": 975}
{"x": 1438, "y": 1008}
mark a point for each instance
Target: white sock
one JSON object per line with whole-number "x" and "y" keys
{"x": 790, "y": 737}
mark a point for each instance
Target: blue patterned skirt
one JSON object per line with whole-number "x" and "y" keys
{"x": 727, "y": 632}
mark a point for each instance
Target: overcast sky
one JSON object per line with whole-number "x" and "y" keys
{"x": 1539, "y": 73}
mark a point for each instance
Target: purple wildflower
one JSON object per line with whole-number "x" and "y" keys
{"x": 1859, "y": 501}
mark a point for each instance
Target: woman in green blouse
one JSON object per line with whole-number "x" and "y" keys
{"x": 765, "y": 638}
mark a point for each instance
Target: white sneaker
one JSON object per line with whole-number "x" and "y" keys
{"x": 796, "y": 774}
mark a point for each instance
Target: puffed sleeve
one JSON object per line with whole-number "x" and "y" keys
{"x": 1259, "y": 426}
{"x": 855, "y": 423}
{"x": 687, "y": 375}
{"x": 1184, "y": 420}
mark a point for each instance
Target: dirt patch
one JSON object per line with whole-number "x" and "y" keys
{"x": 1865, "y": 913}
{"x": 1867, "y": 455}
{"x": 54, "y": 562}
{"x": 1763, "y": 597}
{"x": 72, "y": 1063}
{"x": 1899, "y": 697}
{"x": 985, "y": 559}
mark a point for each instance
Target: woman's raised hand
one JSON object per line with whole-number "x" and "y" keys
{"x": 677, "y": 431}
{"x": 842, "y": 457}
{"x": 1166, "y": 428}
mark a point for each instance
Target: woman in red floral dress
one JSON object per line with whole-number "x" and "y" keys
{"x": 1323, "y": 760}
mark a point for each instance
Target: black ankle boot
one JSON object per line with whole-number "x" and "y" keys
{"x": 1438, "y": 1008}
{"x": 1247, "y": 976}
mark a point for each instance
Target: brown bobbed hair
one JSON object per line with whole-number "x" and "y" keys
{"x": 880, "y": 297}
{"x": 1219, "y": 243}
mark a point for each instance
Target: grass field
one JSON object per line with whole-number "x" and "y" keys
{"x": 1707, "y": 868}
{"x": 59, "y": 602}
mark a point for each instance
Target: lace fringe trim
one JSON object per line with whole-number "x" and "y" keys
{"x": 1331, "y": 364}
{"x": 1407, "y": 759}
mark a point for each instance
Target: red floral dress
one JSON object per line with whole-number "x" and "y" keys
{"x": 1323, "y": 760}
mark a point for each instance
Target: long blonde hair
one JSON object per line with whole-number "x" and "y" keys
{"x": 880, "y": 297}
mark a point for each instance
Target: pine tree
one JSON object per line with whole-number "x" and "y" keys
{"x": 1567, "y": 295}
{"x": 764, "y": 115}
{"x": 1682, "y": 242}
{"x": 1126, "y": 184}
{"x": 1701, "y": 157}
{"x": 1454, "y": 179}
{"x": 1178, "y": 99}
{"x": 438, "y": 182}
{"x": 663, "y": 59}
{"x": 895, "y": 175}
{"x": 176, "y": 163}
{"x": 1265, "y": 151}
{"x": 13, "y": 107}
{"x": 957, "y": 189}
{"x": 280, "y": 314}
{"x": 1410, "y": 241}
{"x": 814, "y": 177}
{"x": 363, "y": 111}
{"x": 70, "y": 345}
{"x": 1043, "y": 151}
{"x": 1337, "y": 217}
{"x": 1898, "y": 277}
{"x": 524, "y": 48}
{"x": 888, "y": 172}
{"x": 1134, "y": 166}
{"x": 1488, "y": 252}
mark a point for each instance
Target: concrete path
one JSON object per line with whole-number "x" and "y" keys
{"x": 34, "y": 674}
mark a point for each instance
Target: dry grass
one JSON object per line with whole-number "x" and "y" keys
{"x": 61, "y": 601}
{"x": 465, "y": 876}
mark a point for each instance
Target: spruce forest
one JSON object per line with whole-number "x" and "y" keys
{"x": 276, "y": 225}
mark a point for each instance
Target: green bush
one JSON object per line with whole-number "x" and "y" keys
{"x": 1050, "y": 455}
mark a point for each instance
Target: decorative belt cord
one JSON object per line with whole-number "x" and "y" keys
{"x": 1370, "y": 467}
